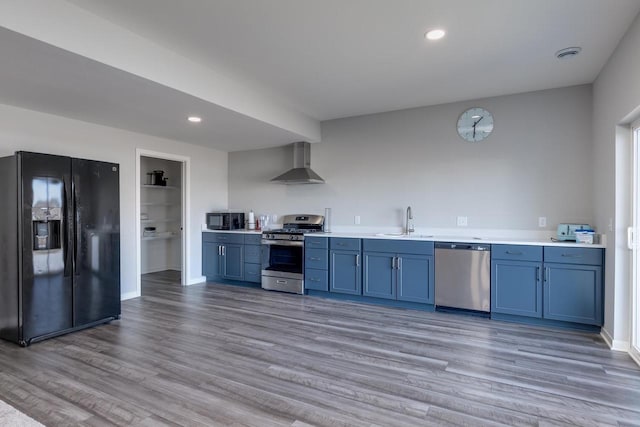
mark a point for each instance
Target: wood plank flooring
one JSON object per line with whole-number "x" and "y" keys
{"x": 224, "y": 355}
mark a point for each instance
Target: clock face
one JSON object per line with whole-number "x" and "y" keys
{"x": 475, "y": 124}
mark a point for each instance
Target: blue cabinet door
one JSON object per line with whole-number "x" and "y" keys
{"x": 233, "y": 261}
{"x": 211, "y": 260}
{"x": 573, "y": 293}
{"x": 345, "y": 270}
{"x": 379, "y": 275}
{"x": 415, "y": 278}
{"x": 516, "y": 288}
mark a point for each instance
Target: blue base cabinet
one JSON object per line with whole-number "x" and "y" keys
{"x": 253, "y": 258}
{"x": 516, "y": 280}
{"x": 573, "y": 293}
{"x": 231, "y": 256}
{"x": 345, "y": 271}
{"x": 552, "y": 283}
{"x": 379, "y": 275}
{"x": 316, "y": 263}
{"x": 415, "y": 278}
{"x": 516, "y": 288}
{"x": 211, "y": 260}
{"x": 573, "y": 285}
{"x": 405, "y": 273}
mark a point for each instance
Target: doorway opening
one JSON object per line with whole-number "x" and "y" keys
{"x": 162, "y": 217}
{"x": 635, "y": 285}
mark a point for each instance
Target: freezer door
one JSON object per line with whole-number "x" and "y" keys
{"x": 97, "y": 253}
{"x": 46, "y": 284}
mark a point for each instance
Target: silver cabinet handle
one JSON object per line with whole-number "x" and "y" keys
{"x": 571, "y": 256}
{"x": 399, "y": 263}
{"x": 314, "y": 280}
{"x": 538, "y": 278}
{"x": 282, "y": 282}
{"x": 224, "y": 251}
{"x": 357, "y": 260}
{"x": 546, "y": 274}
{"x": 394, "y": 263}
{"x": 219, "y": 250}
{"x": 315, "y": 258}
{"x": 514, "y": 253}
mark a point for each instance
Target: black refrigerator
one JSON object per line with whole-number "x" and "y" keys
{"x": 60, "y": 245}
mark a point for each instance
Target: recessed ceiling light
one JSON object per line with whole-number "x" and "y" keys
{"x": 194, "y": 119}
{"x": 568, "y": 52}
{"x": 436, "y": 34}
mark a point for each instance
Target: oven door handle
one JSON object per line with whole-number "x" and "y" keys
{"x": 283, "y": 242}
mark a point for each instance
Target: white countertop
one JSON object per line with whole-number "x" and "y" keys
{"x": 472, "y": 238}
{"x": 462, "y": 239}
{"x": 205, "y": 230}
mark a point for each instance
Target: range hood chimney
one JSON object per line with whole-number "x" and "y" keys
{"x": 301, "y": 172}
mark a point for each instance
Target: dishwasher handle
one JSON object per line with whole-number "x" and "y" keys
{"x": 463, "y": 246}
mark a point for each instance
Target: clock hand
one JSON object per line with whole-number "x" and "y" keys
{"x": 474, "y": 124}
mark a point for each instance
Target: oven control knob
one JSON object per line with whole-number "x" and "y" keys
{"x": 292, "y": 237}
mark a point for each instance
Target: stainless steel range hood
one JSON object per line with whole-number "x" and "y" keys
{"x": 301, "y": 172}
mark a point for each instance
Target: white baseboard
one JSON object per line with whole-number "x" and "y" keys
{"x": 615, "y": 345}
{"x": 196, "y": 280}
{"x": 635, "y": 355}
{"x": 129, "y": 295}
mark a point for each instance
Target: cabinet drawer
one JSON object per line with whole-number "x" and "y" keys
{"x": 344, "y": 244}
{"x": 566, "y": 255}
{"x": 397, "y": 246}
{"x": 316, "y": 279}
{"x": 316, "y": 242}
{"x": 223, "y": 237}
{"x": 252, "y": 239}
{"x": 316, "y": 258}
{"x": 252, "y": 272}
{"x": 516, "y": 252}
{"x": 252, "y": 254}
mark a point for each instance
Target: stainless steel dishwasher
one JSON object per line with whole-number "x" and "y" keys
{"x": 463, "y": 276}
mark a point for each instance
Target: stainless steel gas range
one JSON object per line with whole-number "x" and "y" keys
{"x": 283, "y": 262}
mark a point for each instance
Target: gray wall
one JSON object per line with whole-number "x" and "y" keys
{"x": 33, "y": 131}
{"x": 616, "y": 102}
{"x": 536, "y": 163}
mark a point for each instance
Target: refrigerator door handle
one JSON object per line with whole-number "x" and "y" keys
{"x": 66, "y": 224}
{"x": 76, "y": 230}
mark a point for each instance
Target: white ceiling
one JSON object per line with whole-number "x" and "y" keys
{"x": 265, "y": 72}
{"x": 338, "y": 58}
{"x": 40, "y": 77}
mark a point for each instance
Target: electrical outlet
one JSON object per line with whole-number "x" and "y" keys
{"x": 462, "y": 221}
{"x": 542, "y": 221}
{"x": 356, "y": 220}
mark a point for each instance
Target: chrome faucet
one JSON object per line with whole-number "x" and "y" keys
{"x": 409, "y": 228}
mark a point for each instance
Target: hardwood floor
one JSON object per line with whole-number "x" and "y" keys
{"x": 224, "y": 355}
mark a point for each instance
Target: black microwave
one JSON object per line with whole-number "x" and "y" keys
{"x": 225, "y": 220}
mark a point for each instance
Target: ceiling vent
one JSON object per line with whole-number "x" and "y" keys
{"x": 301, "y": 172}
{"x": 568, "y": 52}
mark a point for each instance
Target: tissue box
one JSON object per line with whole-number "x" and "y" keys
{"x": 585, "y": 236}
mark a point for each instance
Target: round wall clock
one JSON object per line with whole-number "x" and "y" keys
{"x": 475, "y": 124}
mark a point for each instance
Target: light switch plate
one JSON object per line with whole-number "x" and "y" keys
{"x": 356, "y": 220}
{"x": 462, "y": 221}
{"x": 542, "y": 221}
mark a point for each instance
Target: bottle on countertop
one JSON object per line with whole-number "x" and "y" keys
{"x": 252, "y": 220}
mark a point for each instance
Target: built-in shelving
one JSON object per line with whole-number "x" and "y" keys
{"x": 146, "y": 221}
{"x": 161, "y": 236}
{"x": 161, "y": 211}
{"x": 164, "y": 187}
{"x": 159, "y": 204}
